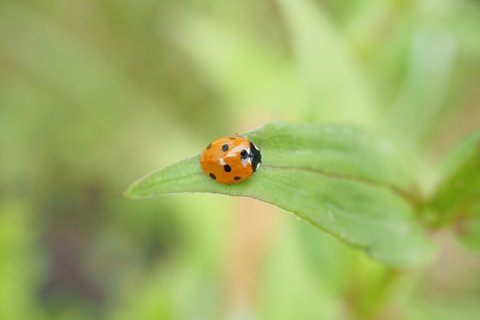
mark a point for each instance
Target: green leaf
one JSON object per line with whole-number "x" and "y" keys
{"x": 457, "y": 201}
{"x": 341, "y": 179}
{"x": 423, "y": 94}
{"x": 327, "y": 66}
{"x": 467, "y": 227}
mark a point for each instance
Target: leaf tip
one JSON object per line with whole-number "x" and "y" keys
{"x": 129, "y": 193}
{"x": 126, "y": 194}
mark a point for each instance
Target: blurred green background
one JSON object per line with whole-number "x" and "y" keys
{"x": 94, "y": 94}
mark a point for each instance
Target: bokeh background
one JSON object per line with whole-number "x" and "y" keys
{"x": 94, "y": 94}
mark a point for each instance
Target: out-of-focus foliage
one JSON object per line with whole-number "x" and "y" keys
{"x": 458, "y": 199}
{"x": 94, "y": 94}
{"x": 20, "y": 263}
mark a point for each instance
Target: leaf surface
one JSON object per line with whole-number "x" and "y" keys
{"x": 341, "y": 179}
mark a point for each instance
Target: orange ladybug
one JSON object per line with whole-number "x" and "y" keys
{"x": 230, "y": 159}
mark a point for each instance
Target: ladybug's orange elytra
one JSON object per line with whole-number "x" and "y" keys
{"x": 230, "y": 159}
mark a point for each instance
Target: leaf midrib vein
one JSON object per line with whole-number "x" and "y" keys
{"x": 410, "y": 198}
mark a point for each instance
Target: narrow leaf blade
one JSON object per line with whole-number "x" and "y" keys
{"x": 458, "y": 198}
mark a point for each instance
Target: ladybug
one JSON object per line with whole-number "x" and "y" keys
{"x": 230, "y": 159}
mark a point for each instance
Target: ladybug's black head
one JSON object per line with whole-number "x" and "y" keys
{"x": 256, "y": 156}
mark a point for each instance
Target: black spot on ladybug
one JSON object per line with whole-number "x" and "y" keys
{"x": 244, "y": 154}
{"x": 209, "y": 146}
{"x": 236, "y": 178}
{"x": 256, "y": 156}
{"x": 225, "y": 147}
{"x": 227, "y": 168}
{"x": 212, "y": 176}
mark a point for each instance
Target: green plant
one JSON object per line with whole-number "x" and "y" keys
{"x": 348, "y": 182}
